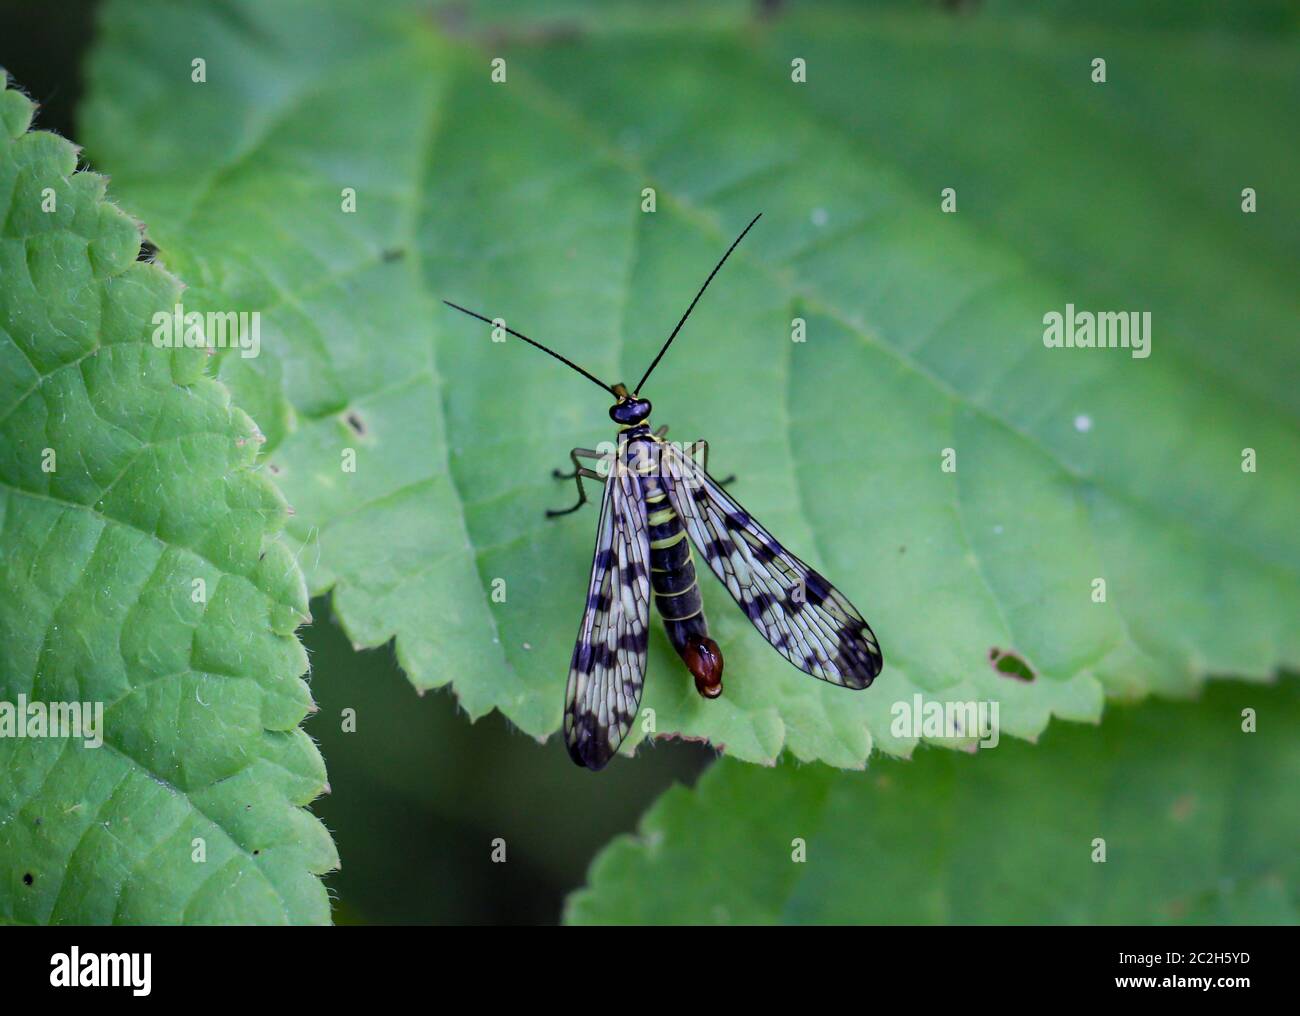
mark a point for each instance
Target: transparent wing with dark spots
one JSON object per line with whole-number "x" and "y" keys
{"x": 806, "y": 619}
{"x": 608, "y": 666}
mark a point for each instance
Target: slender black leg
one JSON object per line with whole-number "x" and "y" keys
{"x": 703, "y": 445}
{"x": 574, "y": 455}
{"x": 579, "y": 471}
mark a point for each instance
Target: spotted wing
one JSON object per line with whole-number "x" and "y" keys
{"x": 806, "y": 619}
{"x": 608, "y": 666}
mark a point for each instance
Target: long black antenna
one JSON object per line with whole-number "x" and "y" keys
{"x": 552, "y": 352}
{"x": 655, "y": 364}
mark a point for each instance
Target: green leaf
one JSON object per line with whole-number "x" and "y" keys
{"x": 1198, "y": 820}
{"x": 924, "y": 330}
{"x": 126, "y": 479}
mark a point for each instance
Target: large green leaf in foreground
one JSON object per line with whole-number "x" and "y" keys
{"x": 1198, "y": 820}
{"x": 924, "y": 329}
{"x": 126, "y": 479}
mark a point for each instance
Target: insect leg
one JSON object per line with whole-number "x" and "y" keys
{"x": 574, "y": 455}
{"x": 578, "y": 473}
{"x": 662, "y": 432}
{"x": 703, "y": 445}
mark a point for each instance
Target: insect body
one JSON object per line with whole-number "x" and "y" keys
{"x": 672, "y": 578}
{"x": 658, "y": 500}
{"x": 676, "y": 589}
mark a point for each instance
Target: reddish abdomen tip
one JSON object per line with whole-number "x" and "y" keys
{"x": 704, "y": 660}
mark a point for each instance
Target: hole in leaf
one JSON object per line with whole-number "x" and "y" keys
{"x": 1009, "y": 664}
{"x": 28, "y": 878}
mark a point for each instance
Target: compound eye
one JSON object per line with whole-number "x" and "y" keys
{"x": 630, "y": 412}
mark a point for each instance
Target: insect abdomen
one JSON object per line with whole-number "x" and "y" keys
{"x": 677, "y": 595}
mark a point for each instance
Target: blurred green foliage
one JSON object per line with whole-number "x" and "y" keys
{"x": 1169, "y": 814}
